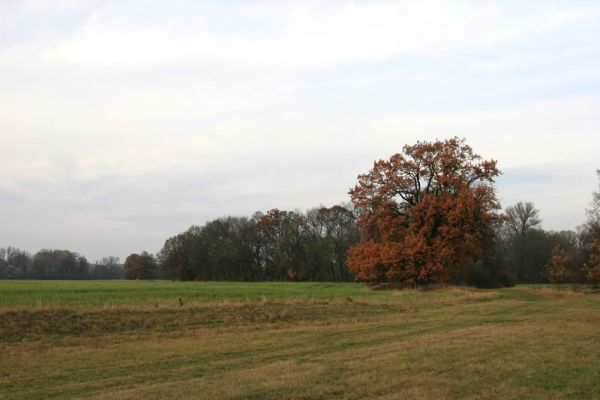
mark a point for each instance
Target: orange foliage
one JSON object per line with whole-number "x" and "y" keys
{"x": 424, "y": 213}
{"x": 558, "y": 271}
{"x": 592, "y": 266}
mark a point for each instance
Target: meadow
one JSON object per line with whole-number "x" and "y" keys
{"x": 202, "y": 340}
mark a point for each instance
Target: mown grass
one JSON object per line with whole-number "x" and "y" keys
{"x": 85, "y": 294}
{"x": 294, "y": 341}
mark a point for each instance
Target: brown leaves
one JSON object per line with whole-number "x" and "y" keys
{"x": 558, "y": 270}
{"x": 592, "y": 266}
{"x": 424, "y": 213}
{"x": 140, "y": 266}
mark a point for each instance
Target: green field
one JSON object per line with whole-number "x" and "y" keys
{"x": 171, "y": 340}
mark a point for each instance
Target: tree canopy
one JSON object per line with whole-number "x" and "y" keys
{"x": 277, "y": 245}
{"x": 425, "y": 214}
{"x": 140, "y": 266}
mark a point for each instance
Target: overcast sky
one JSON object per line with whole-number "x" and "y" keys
{"x": 124, "y": 122}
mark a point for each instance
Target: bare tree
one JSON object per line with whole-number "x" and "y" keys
{"x": 523, "y": 217}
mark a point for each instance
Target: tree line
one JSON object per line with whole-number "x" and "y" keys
{"x": 244, "y": 249}
{"x": 55, "y": 264}
{"x": 523, "y": 252}
{"x": 273, "y": 246}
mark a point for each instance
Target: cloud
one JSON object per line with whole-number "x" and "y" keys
{"x": 124, "y": 122}
{"x": 526, "y": 135}
{"x": 502, "y": 64}
{"x": 301, "y": 36}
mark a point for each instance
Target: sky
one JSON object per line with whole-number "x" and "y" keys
{"x": 122, "y": 123}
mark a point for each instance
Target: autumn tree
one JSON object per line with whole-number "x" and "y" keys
{"x": 592, "y": 266}
{"x": 558, "y": 270}
{"x": 285, "y": 234}
{"x": 426, "y": 214}
{"x": 140, "y": 266}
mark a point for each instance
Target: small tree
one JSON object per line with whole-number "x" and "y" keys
{"x": 558, "y": 269}
{"x": 107, "y": 268}
{"x": 592, "y": 266}
{"x": 140, "y": 266}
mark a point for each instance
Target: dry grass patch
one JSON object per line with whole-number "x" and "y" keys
{"x": 559, "y": 292}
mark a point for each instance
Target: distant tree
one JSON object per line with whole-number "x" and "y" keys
{"x": 181, "y": 254}
{"x": 107, "y": 268}
{"x": 226, "y": 251}
{"x": 3, "y": 263}
{"x": 331, "y": 232}
{"x": 284, "y": 233}
{"x": 522, "y": 218}
{"x": 14, "y": 263}
{"x": 592, "y": 266}
{"x": 528, "y": 246}
{"x": 222, "y": 249}
{"x": 558, "y": 270}
{"x": 110, "y": 261}
{"x": 140, "y": 266}
{"x": 59, "y": 264}
{"x": 426, "y": 214}
{"x": 276, "y": 245}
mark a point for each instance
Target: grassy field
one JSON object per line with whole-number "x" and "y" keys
{"x": 169, "y": 340}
